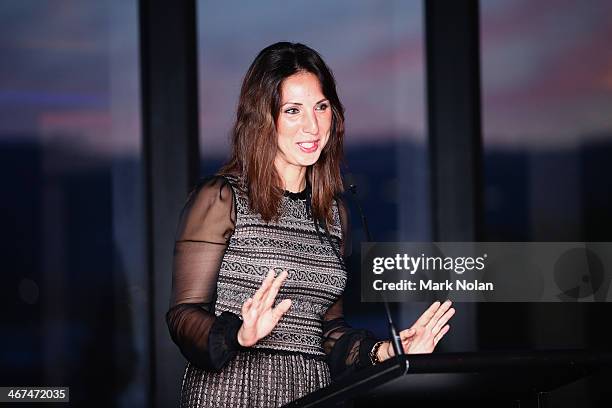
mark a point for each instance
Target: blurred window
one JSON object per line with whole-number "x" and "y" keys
{"x": 72, "y": 218}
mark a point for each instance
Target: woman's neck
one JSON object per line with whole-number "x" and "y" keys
{"x": 293, "y": 177}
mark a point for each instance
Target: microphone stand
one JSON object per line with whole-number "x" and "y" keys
{"x": 396, "y": 341}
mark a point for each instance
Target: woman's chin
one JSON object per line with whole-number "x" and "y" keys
{"x": 308, "y": 161}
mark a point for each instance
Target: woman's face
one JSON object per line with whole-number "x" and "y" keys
{"x": 304, "y": 121}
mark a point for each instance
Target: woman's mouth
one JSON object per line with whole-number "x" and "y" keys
{"x": 309, "y": 147}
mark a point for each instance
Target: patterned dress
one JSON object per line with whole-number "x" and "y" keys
{"x": 223, "y": 252}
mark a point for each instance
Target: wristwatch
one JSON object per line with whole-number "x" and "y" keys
{"x": 374, "y": 353}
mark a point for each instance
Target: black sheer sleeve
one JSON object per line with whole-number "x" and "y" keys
{"x": 205, "y": 227}
{"x": 347, "y": 349}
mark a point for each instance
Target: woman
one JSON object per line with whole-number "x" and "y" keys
{"x": 259, "y": 266}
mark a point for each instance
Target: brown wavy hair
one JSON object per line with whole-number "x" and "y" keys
{"x": 254, "y": 140}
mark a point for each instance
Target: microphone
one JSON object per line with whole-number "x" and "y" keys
{"x": 396, "y": 341}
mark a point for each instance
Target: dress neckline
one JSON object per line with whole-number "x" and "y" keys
{"x": 302, "y": 195}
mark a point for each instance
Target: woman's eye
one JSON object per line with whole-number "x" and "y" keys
{"x": 323, "y": 106}
{"x": 291, "y": 111}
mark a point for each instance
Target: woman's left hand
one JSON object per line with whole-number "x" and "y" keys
{"x": 424, "y": 334}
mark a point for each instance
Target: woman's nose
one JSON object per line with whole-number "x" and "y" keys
{"x": 311, "y": 125}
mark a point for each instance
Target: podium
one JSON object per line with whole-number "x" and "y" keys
{"x": 517, "y": 379}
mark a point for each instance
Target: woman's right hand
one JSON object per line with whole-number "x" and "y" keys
{"x": 258, "y": 316}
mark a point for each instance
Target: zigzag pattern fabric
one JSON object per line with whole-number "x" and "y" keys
{"x": 316, "y": 276}
{"x": 290, "y": 361}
